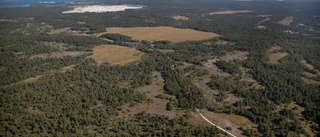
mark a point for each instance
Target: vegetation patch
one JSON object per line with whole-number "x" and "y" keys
{"x": 308, "y": 65}
{"x": 115, "y": 55}
{"x": 275, "y": 54}
{"x": 60, "y": 54}
{"x": 174, "y": 35}
{"x": 229, "y": 12}
{"x": 286, "y": 21}
{"x": 157, "y": 101}
{"x": 236, "y": 119}
{"x": 178, "y": 17}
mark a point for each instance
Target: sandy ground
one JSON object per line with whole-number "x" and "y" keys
{"x": 102, "y": 8}
{"x": 180, "y": 18}
{"x": 174, "y": 35}
{"x": 286, "y": 21}
{"x": 229, "y": 12}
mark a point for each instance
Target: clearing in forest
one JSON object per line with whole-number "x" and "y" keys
{"x": 304, "y": 62}
{"x": 274, "y": 55}
{"x": 174, "y": 35}
{"x": 286, "y": 21}
{"x": 115, "y": 55}
{"x": 37, "y": 77}
{"x": 178, "y": 17}
{"x": 225, "y": 121}
{"x": 229, "y": 12}
{"x": 157, "y": 105}
{"x": 236, "y": 119}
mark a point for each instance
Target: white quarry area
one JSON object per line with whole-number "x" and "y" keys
{"x": 102, "y": 8}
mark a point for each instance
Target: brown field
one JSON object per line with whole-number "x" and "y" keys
{"x": 115, "y": 55}
{"x": 229, "y": 12}
{"x": 286, "y": 21}
{"x": 274, "y": 57}
{"x": 174, "y": 35}
{"x": 180, "y": 17}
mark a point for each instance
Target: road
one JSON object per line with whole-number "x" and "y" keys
{"x": 215, "y": 125}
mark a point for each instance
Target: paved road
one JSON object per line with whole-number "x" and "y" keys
{"x": 215, "y": 125}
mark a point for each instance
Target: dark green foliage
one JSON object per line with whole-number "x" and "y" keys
{"x": 117, "y": 37}
{"x": 187, "y": 94}
{"x": 229, "y": 67}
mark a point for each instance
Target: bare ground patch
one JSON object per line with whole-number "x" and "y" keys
{"x": 174, "y": 35}
{"x": 223, "y": 120}
{"x": 213, "y": 69}
{"x": 178, "y": 17}
{"x": 230, "y": 12}
{"x": 286, "y": 21}
{"x": 156, "y": 105}
{"x": 115, "y": 55}
{"x": 240, "y": 55}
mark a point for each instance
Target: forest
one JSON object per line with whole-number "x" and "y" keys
{"x": 50, "y": 85}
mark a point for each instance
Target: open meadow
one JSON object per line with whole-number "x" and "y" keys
{"x": 172, "y": 34}
{"x": 115, "y": 55}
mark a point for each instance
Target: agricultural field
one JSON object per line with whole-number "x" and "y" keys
{"x": 172, "y": 34}
{"x": 115, "y": 55}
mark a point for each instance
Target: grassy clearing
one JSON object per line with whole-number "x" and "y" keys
{"x": 286, "y": 21}
{"x": 115, "y": 55}
{"x": 274, "y": 48}
{"x": 304, "y": 62}
{"x": 236, "y": 119}
{"x": 180, "y": 18}
{"x": 157, "y": 106}
{"x": 174, "y": 35}
{"x": 274, "y": 57}
{"x": 229, "y": 12}
{"x": 37, "y": 77}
